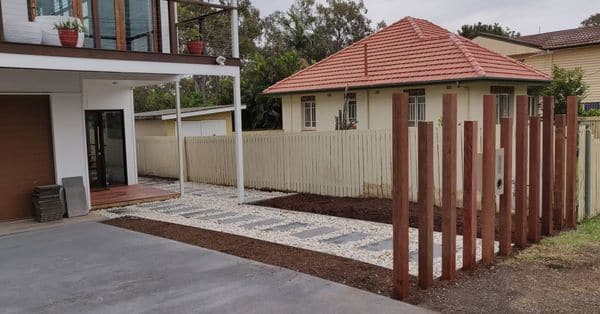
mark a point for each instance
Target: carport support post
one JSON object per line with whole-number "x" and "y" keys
{"x": 180, "y": 138}
{"x": 237, "y": 102}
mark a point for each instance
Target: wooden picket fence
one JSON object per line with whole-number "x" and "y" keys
{"x": 545, "y": 182}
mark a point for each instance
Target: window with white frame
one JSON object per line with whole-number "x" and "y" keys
{"x": 416, "y": 106}
{"x": 533, "y": 106}
{"x": 352, "y": 110}
{"x": 309, "y": 106}
{"x": 504, "y": 101}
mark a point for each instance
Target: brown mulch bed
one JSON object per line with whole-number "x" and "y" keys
{"x": 369, "y": 209}
{"x": 539, "y": 285}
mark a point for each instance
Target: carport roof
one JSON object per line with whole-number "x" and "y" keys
{"x": 170, "y": 114}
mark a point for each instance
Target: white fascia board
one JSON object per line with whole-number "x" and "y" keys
{"x": 198, "y": 113}
{"x": 23, "y": 61}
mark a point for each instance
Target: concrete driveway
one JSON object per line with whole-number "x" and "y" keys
{"x": 96, "y": 268}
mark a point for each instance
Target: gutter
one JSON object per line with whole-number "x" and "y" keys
{"x": 451, "y": 81}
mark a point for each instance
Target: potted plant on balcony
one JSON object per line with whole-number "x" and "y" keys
{"x": 68, "y": 32}
{"x": 195, "y": 46}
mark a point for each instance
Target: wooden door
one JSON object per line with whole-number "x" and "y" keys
{"x": 26, "y": 158}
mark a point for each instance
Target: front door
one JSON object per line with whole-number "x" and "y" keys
{"x": 106, "y": 148}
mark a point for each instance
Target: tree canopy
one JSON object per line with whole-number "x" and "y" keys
{"x": 593, "y": 20}
{"x": 565, "y": 83}
{"x": 471, "y": 31}
{"x": 271, "y": 48}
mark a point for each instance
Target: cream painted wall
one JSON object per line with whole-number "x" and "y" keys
{"x": 504, "y": 47}
{"x": 375, "y": 105}
{"x": 588, "y": 58}
{"x": 68, "y": 137}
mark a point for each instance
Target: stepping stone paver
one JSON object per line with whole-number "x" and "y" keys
{"x": 311, "y": 233}
{"x": 238, "y": 219}
{"x": 266, "y": 222}
{"x": 346, "y": 238}
{"x": 118, "y": 211}
{"x": 287, "y": 227}
{"x": 201, "y": 212}
{"x": 180, "y": 210}
{"x": 217, "y": 216}
{"x": 378, "y": 246}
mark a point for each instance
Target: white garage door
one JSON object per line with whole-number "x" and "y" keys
{"x": 204, "y": 128}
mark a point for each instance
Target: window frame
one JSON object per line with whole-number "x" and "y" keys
{"x": 417, "y": 106}
{"x": 501, "y": 92}
{"x": 352, "y": 107}
{"x": 310, "y": 101}
{"x": 119, "y": 13}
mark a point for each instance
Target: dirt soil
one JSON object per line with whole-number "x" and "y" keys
{"x": 553, "y": 276}
{"x": 370, "y": 209}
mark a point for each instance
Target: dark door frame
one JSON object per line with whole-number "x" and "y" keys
{"x": 102, "y": 176}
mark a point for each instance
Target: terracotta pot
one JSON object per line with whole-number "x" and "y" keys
{"x": 68, "y": 37}
{"x": 195, "y": 47}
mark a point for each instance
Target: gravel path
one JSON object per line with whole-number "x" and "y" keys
{"x": 215, "y": 208}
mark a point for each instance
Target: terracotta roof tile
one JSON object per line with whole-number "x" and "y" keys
{"x": 407, "y": 52}
{"x": 565, "y": 38}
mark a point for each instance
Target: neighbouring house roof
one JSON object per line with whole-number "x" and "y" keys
{"x": 575, "y": 37}
{"x": 170, "y": 114}
{"x": 410, "y": 51}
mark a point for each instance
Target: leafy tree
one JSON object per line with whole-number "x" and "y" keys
{"x": 471, "y": 31}
{"x": 339, "y": 24}
{"x": 565, "y": 83}
{"x": 593, "y": 20}
{"x": 271, "y": 49}
{"x": 317, "y": 30}
{"x": 264, "y": 112}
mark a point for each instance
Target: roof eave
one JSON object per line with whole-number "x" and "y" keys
{"x": 387, "y": 85}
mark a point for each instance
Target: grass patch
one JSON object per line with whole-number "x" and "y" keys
{"x": 566, "y": 250}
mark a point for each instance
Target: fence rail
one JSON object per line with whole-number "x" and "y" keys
{"x": 341, "y": 163}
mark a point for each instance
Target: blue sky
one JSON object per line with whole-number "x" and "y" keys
{"x": 525, "y": 16}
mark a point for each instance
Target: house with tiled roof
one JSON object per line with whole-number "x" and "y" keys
{"x": 571, "y": 48}
{"x": 412, "y": 55}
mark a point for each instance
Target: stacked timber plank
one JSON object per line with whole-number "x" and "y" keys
{"x": 47, "y": 203}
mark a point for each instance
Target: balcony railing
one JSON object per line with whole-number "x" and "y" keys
{"x": 136, "y": 28}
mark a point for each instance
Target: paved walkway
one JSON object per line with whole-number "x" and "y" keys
{"x": 215, "y": 208}
{"x": 96, "y": 268}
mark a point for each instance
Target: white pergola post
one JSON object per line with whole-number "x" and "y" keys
{"x": 180, "y": 138}
{"x": 237, "y": 102}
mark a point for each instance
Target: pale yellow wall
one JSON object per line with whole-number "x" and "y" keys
{"x": 375, "y": 111}
{"x": 588, "y": 58}
{"x": 151, "y": 128}
{"x": 167, "y": 127}
{"x": 504, "y": 47}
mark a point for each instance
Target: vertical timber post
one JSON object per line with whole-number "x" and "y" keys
{"x": 400, "y": 194}
{"x": 547, "y": 165}
{"x": 521, "y": 138}
{"x": 470, "y": 196}
{"x": 571, "y": 171}
{"x": 488, "y": 191}
{"x": 505, "y": 219}
{"x": 533, "y": 219}
{"x": 559, "y": 172}
{"x": 425, "y": 204}
{"x": 449, "y": 187}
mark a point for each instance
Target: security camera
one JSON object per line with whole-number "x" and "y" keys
{"x": 221, "y": 60}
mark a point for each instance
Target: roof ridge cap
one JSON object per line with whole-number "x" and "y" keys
{"x": 476, "y": 66}
{"x": 415, "y": 27}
